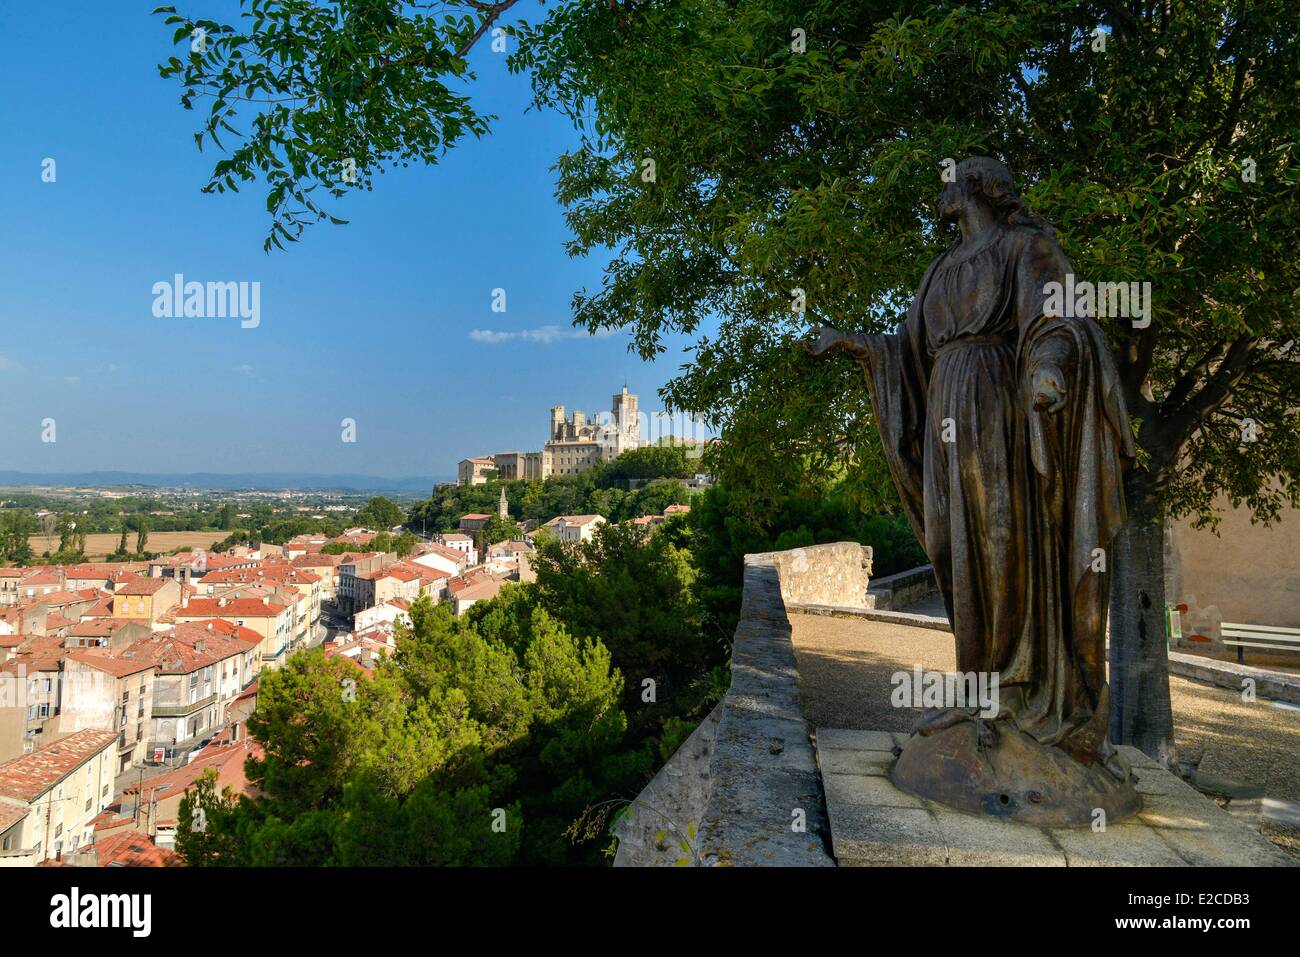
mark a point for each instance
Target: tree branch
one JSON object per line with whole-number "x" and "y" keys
{"x": 493, "y": 11}
{"x": 1189, "y": 379}
{"x": 1216, "y": 391}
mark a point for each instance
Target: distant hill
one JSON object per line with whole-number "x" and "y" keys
{"x": 260, "y": 481}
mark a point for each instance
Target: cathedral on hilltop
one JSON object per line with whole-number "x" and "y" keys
{"x": 574, "y": 445}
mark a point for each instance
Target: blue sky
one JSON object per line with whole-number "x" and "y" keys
{"x": 370, "y": 321}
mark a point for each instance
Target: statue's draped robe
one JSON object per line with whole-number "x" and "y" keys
{"x": 1011, "y": 503}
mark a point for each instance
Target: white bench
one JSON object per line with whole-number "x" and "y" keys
{"x": 1259, "y": 636}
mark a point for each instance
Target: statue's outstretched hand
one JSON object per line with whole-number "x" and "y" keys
{"x": 828, "y": 340}
{"x": 1049, "y": 388}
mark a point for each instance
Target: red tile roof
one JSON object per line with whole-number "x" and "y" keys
{"x": 181, "y": 779}
{"x": 279, "y": 573}
{"x": 101, "y": 627}
{"x": 185, "y": 649}
{"x": 222, "y": 627}
{"x": 104, "y": 570}
{"x": 113, "y": 663}
{"x": 11, "y": 814}
{"x": 31, "y": 775}
{"x": 43, "y": 578}
{"x": 451, "y": 554}
{"x": 232, "y": 608}
{"x": 480, "y": 591}
{"x": 133, "y": 849}
{"x": 60, "y": 598}
{"x": 318, "y": 561}
{"x": 144, "y": 586}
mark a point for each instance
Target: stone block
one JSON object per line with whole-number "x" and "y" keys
{"x": 1237, "y": 846}
{"x": 842, "y": 740}
{"x": 1127, "y": 844}
{"x": 886, "y": 837}
{"x": 981, "y": 842}
{"x": 835, "y": 761}
{"x": 867, "y": 791}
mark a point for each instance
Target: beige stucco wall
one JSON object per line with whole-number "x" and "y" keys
{"x": 1246, "y": 573}
{"x": 67, "y": 808}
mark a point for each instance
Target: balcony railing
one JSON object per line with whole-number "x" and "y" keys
{"x": 180, "y": 710}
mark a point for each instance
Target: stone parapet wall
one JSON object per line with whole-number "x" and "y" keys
{"x": 759, "y": 802}
{"x": 1274, "y": 685}
{"x": 837, "y": 574}
{"x": 894, "y": 592}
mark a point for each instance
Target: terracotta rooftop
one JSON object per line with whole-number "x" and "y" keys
{"x": 480, "y": 590}
{"x": 433, "y": 548}
{"x": 133, "y": 849}
{"x": 113, "y": 663}
{"x": 103, "y": 570}
{"x": 101, "y": 627}
{"x": 43, "y": 578}
{"x": 11, "y": 814}
{"x": 230, "y": 607}
{"x": 58, "y": 598}
{"x": 180, "y": 779}
{"x": 274, "y": 572}
{"x": 185, "y": 649}
{"x": 317, "y": 561}
{"x": 144, "y": 586}
{"x": 31, "y": 775}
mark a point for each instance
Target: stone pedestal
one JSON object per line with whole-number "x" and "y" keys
{"x": 875, "y": 823}
{"x": 1005, "y": 773}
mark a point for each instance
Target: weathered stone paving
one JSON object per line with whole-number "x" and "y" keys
{"x": 845, "y": 665}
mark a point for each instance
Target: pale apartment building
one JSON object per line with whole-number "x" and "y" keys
{"x": 106, "y": 691}
{"x": 440, "y": 558}
{"x": 198, "y": 670}
{"x": 30, "y": 691}
{"x": 377, "y": 587}
{"x": 146, "y": 599}
{"x": 325, "y": 567}
{"x": 278, "y": 575}
{"x": 48, "y": 798}
{"x": 573, "y": 528}
{"x": 272, "y": 621}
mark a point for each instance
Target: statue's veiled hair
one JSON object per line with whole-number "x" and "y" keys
{"x": 994, "y": 181}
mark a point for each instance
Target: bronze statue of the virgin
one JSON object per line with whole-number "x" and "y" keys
{"x": 1006, "y": 435}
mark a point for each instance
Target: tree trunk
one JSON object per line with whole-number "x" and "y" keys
{"x": 1140, "y": 713}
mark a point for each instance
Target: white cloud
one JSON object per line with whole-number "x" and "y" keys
{"x": 542, "y": 334}
{"x": 72, "y": 379}
{"x": 8, "y": 365}
{"x": 244, "y": 370}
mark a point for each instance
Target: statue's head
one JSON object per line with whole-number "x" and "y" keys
{"x": 978, "y": 179}
{"x": 982, "y": 179}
